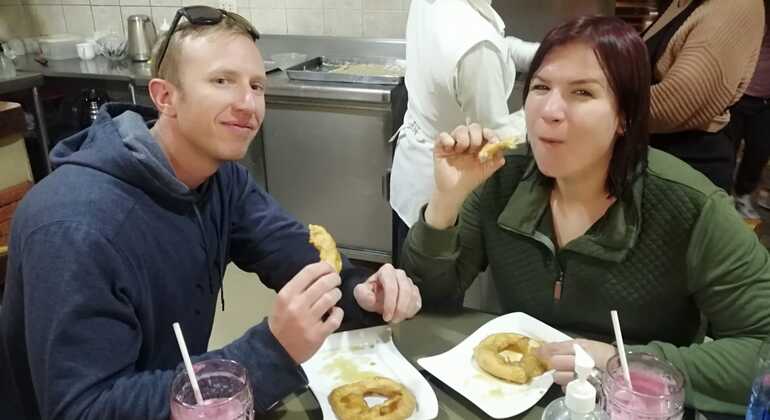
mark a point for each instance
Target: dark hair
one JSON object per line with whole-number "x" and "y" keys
{"x": 623, "y": 57}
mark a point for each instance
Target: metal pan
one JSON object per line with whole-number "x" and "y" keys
{"x": 366, "y": 70}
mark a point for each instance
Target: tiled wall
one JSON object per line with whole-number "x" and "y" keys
{"x": 358, "y": 18}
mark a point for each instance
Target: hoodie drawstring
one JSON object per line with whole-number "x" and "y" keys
{"x": 209, "y": 260}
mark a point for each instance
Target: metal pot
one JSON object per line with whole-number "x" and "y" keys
{"x": 141, "y": 37}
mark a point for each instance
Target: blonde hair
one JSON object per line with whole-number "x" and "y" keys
{"x": 169, "y": 69}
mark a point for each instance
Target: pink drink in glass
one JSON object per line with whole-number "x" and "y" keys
{"x": 658, "y": 389}
{"x": 224, "y": 386}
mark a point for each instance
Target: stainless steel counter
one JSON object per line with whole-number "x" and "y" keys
{"x": 30, "y": 80}
{"x": 22, "y": 81}
{"x": 137, "y": 74}
{"x": 98, "y": 68}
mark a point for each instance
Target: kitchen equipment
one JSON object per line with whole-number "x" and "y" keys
{"x": 86, "y": 51}
{"x": 270, "y": 65}
{"x": 17, "y": 46}
{"x": 286, "y": 60}
{"x": 112, "y": 46}
{"x": 31, "y": 46}
{"x": 368, "y": 70}
{"x": 59, "y": 47}
{"x": 7, "y": 68}
{"x": 141, "y": 37}
{"x": 88, "y": 107}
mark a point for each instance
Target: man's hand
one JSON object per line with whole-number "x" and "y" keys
{"x": 296, "y": 321}
{"x": 389, "y": 292}
{"x": 561, "y": 357}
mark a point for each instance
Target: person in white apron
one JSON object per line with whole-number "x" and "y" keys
{"x": 460, "y": 68}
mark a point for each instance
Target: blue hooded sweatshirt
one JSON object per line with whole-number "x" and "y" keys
{"x": 111, "y": 249}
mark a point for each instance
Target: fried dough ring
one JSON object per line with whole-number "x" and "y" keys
{"x": 326, "y": 246}
{"x": 488, "y": 357}
{"x": 348, "y": 402}
{"x": 491, "y": 149}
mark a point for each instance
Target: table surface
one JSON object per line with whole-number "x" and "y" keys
{"x": 426, "y": 335}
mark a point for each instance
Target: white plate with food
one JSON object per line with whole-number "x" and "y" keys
{"x": 358, "y": 356}
{"x": 499, "y": 398}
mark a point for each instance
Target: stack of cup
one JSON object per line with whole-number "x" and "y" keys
{"x": 86, "y": 50}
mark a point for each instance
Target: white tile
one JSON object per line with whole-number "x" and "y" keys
{"x": 133, "y": 10}
{"x": 105, "y": 2}
{"x": 158, "y": 13}
{"x": 244, "y": 12}
{"x": 269, "y": 21}
{"x": 268, "y": 4}
{"x": 304, "y": 4}
{"x": 166, "y": 3}
{"x": 76, "y": 2}
{"x": 14, "y": 22}
{"x": 242, "y": 5}
{"x": 134, "y": 2}
{"x": 304, "y": 22}
{"x": 343, "y": 4}
{"x": 108, "y": 19}
{"x": 79, "y": 19}
{"x": 45, "y": 2}
{"x": 210, "y": 3}
{"x": 385, "y": 24}
{"x": 383, "y": 5}
{"x": 343, "y": 22}
{"x": 47, "y": 19}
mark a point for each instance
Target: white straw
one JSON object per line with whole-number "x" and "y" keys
{"x": 621, "y": 347}
{"x": 188, "y": 363}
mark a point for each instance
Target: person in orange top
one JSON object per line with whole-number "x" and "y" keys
{"x": 703, "y": 54}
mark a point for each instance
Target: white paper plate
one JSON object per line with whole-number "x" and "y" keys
{"x": 497, "y": 398}
{"x": 351, "y": 355}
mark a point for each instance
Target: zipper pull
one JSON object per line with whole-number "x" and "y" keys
{"x": 557, "y": 287}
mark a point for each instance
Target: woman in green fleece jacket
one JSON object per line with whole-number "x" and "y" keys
{"x": 586, "y": 218}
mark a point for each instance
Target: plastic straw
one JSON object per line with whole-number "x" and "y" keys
{"x": 188, "y": 363}
{"x": 621, "y": 347}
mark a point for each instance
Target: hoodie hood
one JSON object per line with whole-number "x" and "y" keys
{"x": 119, "y": 143}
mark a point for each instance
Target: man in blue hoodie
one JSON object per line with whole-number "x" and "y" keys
{"x": 133, "y": 231}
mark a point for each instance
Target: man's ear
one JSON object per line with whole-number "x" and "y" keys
{"x": 164, "y": 95}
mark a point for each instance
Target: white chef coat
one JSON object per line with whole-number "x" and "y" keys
{"x": 459, "y": 66}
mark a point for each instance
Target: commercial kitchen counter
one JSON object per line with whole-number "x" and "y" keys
{"x": 137, "y": 74}
{"x": 31, "y": 81}
{"x": 323, "y": 150}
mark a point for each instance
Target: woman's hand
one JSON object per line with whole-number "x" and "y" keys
{"x": 458, "y": 171}
{"x": 561, "y": 357}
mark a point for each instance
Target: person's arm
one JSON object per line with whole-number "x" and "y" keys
{"x": 522, "y": 52}
{"x": 706, "y": 75}
{"x": 444, "y": 262}
{"x": 83, "y": 336}
{"x": 266, "y": 240}
{"x": 481, "y": 93}
{"x": 729, "y": 276}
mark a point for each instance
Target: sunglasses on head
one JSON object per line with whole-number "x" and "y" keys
{"x": 204, "y": 15}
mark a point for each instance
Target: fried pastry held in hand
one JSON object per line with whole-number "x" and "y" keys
{"x": 326, "y": 246}
{"x": 491, "y": 149}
